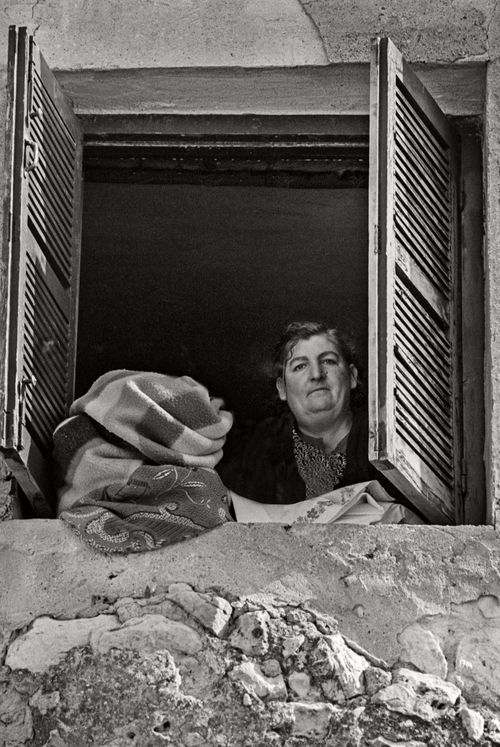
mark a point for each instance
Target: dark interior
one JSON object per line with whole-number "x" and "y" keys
{"x": 194, "y": 272}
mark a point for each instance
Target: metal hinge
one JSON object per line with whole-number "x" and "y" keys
{"x": 377, "y": 438}
{"x": 377, "y": 238}
{"x": 26, "y": 381}
{"x": 7, "y": 428}
{"x": 380, "y": 440}
{"x": 463, "y": 483}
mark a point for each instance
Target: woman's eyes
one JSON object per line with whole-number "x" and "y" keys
{"x": 324, "y": 361}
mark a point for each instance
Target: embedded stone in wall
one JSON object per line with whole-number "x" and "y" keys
{"x": 292, "y": 644}
{"x": 376, "y": 679}
{"x": 311, "y": 720}
{"x": 44, "y": 702}
{"x": 493, "y": 730}
{"x": 16, "y": 725}
{"x": 469, "y": 638}
{"x": 250, "y": 674}
{"x": 153, "y": 633}
{"x": 421, "y": 648}
{"x": 151, "y": 680}
{"x": 333, "y": 658}
{"x": 473, "y": 723}
{"x": 477, "y": 664}
{"x": 48, "y": 640}
{"x": 4, "y": 642}
{"x": 126, "y": 609}
{"x": 213, "y": 612}
{"x": 382, "y": 742}
{"x": 251, "y": 634}
{"x": 300, "y": 683}
{"x": 416, "y": 694}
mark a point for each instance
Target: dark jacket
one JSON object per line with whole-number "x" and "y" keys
{"x": 259, "y": 463}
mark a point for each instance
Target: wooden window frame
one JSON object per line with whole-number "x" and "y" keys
{"x": 318, "y": 123}
{"x": 296, "y": 130}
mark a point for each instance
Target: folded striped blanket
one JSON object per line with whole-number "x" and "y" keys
{"x": 134, "y": 462}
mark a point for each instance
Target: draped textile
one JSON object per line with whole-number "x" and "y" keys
{"x": 135, "y": 462}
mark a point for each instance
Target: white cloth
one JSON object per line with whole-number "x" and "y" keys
{"x": 362, "y": 503}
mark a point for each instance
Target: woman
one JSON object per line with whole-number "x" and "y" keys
{"x": 320, "y": 442}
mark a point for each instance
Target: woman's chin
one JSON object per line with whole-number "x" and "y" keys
{"x": 320, "y": 400}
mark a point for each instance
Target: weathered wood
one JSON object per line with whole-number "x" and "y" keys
{"x": 106, "y": 128}
{"x": 18, "y": 70}
{"x": 472, "y": 272}
{"x": 43, "y": 260}
{"x": 103, "y": 128}
{"x": 7, "y": 229}
{"x": 34, "y": 480}
{"x": 329, "y": 89}
{"x": 411, "y": 424}
{"x": 273, "y": 161}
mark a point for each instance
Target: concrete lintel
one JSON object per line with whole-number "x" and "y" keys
{"x": 327, "y": 89}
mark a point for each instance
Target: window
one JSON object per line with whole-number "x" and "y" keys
{"x": 216, "y": 290}
{"x": 415, "y": 289}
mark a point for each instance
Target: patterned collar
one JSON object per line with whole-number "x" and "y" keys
{"x": 321, "y": 472}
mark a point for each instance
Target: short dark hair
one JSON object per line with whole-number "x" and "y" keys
{"x": 296, "y": 331}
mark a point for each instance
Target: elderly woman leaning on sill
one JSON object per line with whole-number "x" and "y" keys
{"x": 135, "y": 459}
{"x": 317, "y": 445}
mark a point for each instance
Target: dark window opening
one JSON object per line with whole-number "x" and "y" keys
{"x": 195, "y": 255}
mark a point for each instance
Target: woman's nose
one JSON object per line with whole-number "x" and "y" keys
{"x": 317, "y": 371}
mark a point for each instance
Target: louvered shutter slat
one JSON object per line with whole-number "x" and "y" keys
{"x": 43, "y": 258}
{"x": 414, "y": 360}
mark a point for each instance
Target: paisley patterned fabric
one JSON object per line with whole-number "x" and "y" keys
{"x": 135, "y": 462}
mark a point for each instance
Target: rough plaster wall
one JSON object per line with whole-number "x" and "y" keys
{"x": 379, "y": 583}
{"x": 329, "y": 635}
{"x": 188, "y": 668}
{"x": 425, "y": 30}
{"x": 259, "y": 33}
{"x": 180, "y": 33}
{"x": 492, "y": 271}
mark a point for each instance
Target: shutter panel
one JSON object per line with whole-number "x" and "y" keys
{"x": 413, "y": 325}
{"x": 42, "y": 254}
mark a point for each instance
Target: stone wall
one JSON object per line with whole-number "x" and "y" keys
{"x": 190, "y": 668}
{"x": 252, "y": 635}
{"x": 260, "y": 635}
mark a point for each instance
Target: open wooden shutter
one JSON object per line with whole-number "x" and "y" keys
{"x": 41, "y": 264}
{"x": 413, "y": 324}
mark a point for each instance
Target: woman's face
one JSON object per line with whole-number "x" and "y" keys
{"x": 317, "y": 380}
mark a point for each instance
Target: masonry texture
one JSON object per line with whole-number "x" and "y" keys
{"x": 323, "y": 635}
{"x": 258, "y": 635}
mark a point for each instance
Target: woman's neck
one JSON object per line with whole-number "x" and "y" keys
{"x": 329, "y": 433}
